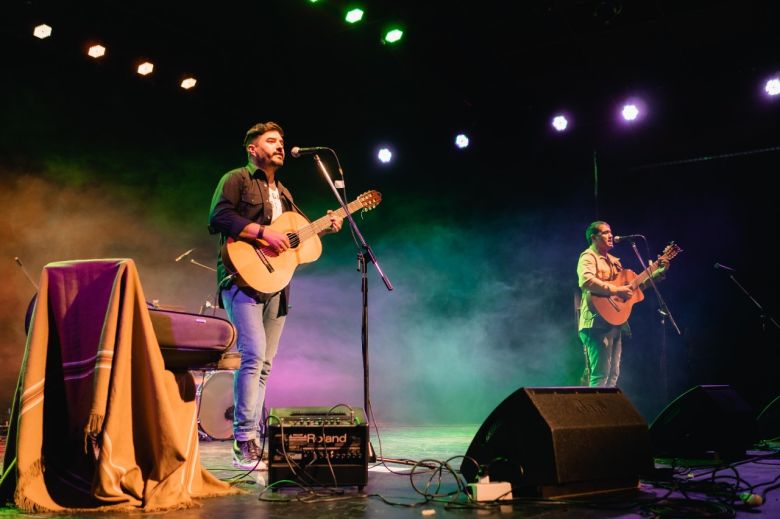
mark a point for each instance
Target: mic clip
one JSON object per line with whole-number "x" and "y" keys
{"x": 618, "y": 239}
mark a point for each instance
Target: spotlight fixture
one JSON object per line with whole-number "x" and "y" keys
{"x": 42, "y": 31}
{"x": 188, "y": 83}
{"x": 630, "y": 112}
{"x": 560, "y": 123}
{"x": 385, "y": 155}
{"x": 354, "y": 15}
{"x": 772, "y": 86}
{"x": 393, "y": 35}
{"x": 145, "y": 68}
{"x": 461, "y": 141}
{"x": 96, "y": 51}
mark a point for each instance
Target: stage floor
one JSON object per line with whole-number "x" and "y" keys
{"x": 391, "y": 492}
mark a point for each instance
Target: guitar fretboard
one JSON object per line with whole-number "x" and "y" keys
{"x": 320, "y": 224}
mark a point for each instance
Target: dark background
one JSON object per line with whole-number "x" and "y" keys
{"x": 480, "y": 244}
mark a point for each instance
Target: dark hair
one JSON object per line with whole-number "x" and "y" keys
{"x": 592, "y": 229}
{"x": 259, "y": 129}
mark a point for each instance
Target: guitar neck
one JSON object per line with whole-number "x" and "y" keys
{"x": 320, "y": 224}
{"x": 641, "y": 279}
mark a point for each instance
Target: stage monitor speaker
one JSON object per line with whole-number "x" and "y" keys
{"x": 561, "y": 442}
{"x": 318, "y": 446}
{"x": 707, "y": 422}
{"x": 769, "y": 421}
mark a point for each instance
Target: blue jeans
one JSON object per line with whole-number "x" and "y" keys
{"x": 259, "y": 329}
{"x": 604, "y": 347}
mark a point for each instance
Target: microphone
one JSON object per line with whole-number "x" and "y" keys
{"x": 618, "y": 239}
{"x": 719, "y": 266}
{"x": 297, "y": 152}
{"x": 184, "y": 254}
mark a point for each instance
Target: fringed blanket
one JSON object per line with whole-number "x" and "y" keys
{"x": 97, "y": 422}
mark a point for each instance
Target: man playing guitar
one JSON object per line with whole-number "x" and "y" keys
{"x": 246, "y": 202}
{"x": 606, "y": 285}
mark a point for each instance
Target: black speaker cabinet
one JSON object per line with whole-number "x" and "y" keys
{"x": 706, "y": 422}
{"x": 562, "y": 441}
{"x": 769, "y": 421}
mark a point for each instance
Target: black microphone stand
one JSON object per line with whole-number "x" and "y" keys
{"x": 206, "y": 304}
{"x": 365, "y": 255}
{"x": 764, "y": 316}
{"x": 665, "y": 313}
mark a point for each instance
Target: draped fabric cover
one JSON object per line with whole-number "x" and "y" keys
{"x": 97, "y": 422}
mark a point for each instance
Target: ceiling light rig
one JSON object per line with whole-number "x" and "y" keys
{"x": 633, "y": 110}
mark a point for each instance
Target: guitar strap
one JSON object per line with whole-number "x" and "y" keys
{"x": 296, "y": 208}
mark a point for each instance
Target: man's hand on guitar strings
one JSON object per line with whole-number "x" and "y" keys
{"x": 278, "y": 241}
{"x": 624, "y": 292}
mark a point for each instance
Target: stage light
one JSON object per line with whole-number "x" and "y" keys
{"x": 42, "y": 31}
{"x": 560, "y": 122}
{"x": 96, "y": 51}
{"x": 630, "y": 112}
{"x": 384, "y": 155}
{"x": 461, "y": 141}
{"x": 772, "y": 86}
{"x": 354, "y": 15}
{"x": 393, "y": 35}
{"x": 145, "y": 68}
{"x": 188, "y": 83}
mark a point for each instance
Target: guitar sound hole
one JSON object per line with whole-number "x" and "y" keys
{"x": 294, "y": 239}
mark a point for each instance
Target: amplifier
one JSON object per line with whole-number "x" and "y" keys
{"x": 318, "y": 446}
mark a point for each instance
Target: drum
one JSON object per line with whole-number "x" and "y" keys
{"x": 215, "y": 414}
{"x": 215, "y": 401}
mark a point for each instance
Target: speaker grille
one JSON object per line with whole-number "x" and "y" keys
{"x": 551, "y": 441}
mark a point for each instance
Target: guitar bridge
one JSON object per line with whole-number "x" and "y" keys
{"x": 264, "y": 260}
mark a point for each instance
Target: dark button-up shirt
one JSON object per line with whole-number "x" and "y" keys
{"x": 242, "y": 197}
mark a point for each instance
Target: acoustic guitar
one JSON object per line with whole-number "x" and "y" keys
{"x": 616, "y": 310}
{"x": 259, "y": 266}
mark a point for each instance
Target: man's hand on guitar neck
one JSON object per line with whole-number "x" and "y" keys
{"x": 658, "y": 269}
{"x": 335, "y": 223}
{"x": 660, "y": 266}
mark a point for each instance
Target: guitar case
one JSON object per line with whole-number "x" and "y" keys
{"x": 187, "y": 341}
{"x": 194, "y": 341}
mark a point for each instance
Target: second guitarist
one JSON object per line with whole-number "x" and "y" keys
{"x": 245, "y": 203}
{"x": 597, "y": 273}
